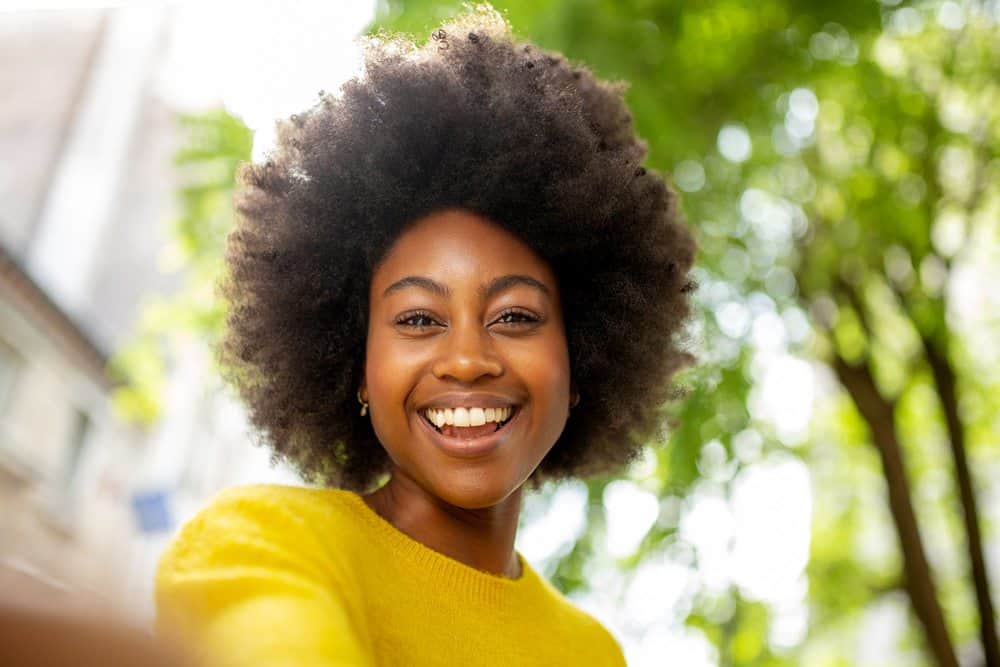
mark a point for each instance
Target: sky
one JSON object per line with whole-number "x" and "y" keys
{"x": 264, "y": 60}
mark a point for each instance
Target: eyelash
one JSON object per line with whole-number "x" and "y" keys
{"x": 528, "y": 318}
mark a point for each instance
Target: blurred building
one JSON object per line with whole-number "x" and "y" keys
{"x": 63, "y": 457}
{"x": 85, "y": 191}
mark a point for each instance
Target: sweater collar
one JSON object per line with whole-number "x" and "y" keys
{"x": 461, "y": 579}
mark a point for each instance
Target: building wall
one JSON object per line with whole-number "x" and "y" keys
{"x": 62, "y": 520}
{"x": 68, "y": 467}
{"x": 86, "y": 198}
{"x": 44, "y": 58}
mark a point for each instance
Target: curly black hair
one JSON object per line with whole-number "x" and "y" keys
{"x": 472, "y": 119}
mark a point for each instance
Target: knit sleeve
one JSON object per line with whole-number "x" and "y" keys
{"x": 616, "y": 657}
{"x": 247, "y": 582}
{"x": 607, "y": 651}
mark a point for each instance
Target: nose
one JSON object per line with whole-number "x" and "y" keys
{"x": 467, "y": 353}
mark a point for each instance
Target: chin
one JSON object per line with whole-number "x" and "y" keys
{"x": 474, "y": 493}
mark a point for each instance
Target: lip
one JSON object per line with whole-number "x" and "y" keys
{"x": 465, "y": 399}
{"x": 474, "y": 447}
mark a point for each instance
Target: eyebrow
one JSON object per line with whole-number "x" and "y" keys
{"x": 486, "y": 290}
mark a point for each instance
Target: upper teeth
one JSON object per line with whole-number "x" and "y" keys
{"x": 467, "y": 416}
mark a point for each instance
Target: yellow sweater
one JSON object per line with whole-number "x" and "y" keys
{"x": 276, "y": 575}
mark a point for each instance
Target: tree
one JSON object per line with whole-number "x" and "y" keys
{"x": 214, "y": 143}
{"x": 873, "y": 135}
{"x": 839, "y": 166}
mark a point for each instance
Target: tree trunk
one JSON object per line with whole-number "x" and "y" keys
{"x": 944, "y": 379}
{"x": 919, "y": 585}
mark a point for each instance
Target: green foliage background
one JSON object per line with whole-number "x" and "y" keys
{"x": 871, "y": 188}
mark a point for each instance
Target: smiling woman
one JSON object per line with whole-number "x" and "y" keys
{"x": 491, "y": 338}
{"x": 464, "y": 243}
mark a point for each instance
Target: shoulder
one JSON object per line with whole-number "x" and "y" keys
{"x": 260, "y": 557}
{"x": 601, "y": 641}
{"x": 609, "y": 644}
{"x": 268, "y": 499}
{"x": 591, "y": 632}
{"x": 253, "y": 511}
{"x": 266, "y": 524}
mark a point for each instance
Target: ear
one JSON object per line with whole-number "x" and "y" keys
{"x": 362, "y": 365}
{"x": 574, "y": 395}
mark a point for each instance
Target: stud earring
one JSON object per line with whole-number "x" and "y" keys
{"x": 364, "y": 404}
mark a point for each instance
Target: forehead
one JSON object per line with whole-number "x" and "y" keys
{"x": 456, "y": 246}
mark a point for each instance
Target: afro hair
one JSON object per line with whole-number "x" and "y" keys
{"x": 472, "y": 119}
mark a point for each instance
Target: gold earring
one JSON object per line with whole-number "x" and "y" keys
{"x": 364, "y": 404}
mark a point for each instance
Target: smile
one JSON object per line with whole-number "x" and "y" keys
{"x": 457, "y": 441}
{"x": 464, "y": 422}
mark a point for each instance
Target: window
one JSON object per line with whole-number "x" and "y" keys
{"x": 10, "y": 364}
{"x": 77, "y": 443}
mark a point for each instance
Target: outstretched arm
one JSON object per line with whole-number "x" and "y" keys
{"x": 247, "y": 583}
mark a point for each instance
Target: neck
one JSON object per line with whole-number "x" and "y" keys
{"x": 482, "y": 538}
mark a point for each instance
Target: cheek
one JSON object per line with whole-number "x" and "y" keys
{"x": 389, "y": 376}
{"x": 547, "y": 371}
{"x": 387, "y": 393}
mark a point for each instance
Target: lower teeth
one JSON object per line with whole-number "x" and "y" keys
{"x": 499, "y": 426}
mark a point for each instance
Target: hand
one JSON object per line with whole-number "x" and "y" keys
{"x": 43, "y": 625}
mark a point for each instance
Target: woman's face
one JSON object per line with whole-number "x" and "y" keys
{"x": 463, "y": 314}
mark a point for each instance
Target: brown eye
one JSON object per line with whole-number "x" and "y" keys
{"x": 416, "y": 320}
{"x": 516, "y": 317}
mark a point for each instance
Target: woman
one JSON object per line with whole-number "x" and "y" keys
{"x": 449, "y": 282}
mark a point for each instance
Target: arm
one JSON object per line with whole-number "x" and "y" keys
{"x": 44, "y": 625}
{"x": 247, "y": 583}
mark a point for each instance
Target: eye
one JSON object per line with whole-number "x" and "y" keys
{"x": 418, "y": 319}
{"x": 516, "y": 317}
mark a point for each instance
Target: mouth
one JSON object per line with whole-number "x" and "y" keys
{"x": 515, "y": 409}
{"x": 476, "y": 441}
